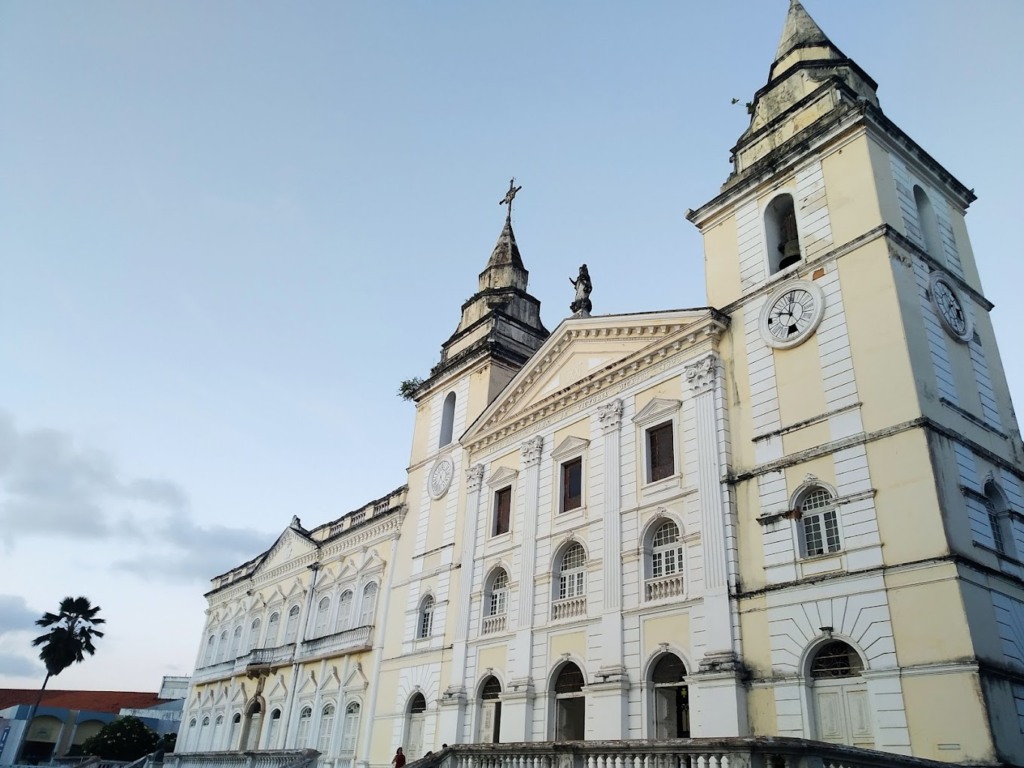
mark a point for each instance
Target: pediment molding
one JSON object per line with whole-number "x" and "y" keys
{"x": 571, "y": 446}
{"x": 667, "y": 342}
{"x": 502, "y": 476}
{"x": 356, "y": 680}
{"x": 658, "y": 409}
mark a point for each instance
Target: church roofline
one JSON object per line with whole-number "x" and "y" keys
{"x": 701, "y": 317}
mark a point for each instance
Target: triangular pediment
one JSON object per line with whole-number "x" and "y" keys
{"x": 291, "y": 544}
{"x": 569, "y": 447}
{"x": 584, "y": 356}
{"x": 308, "y": 686}
{"x": 502, "y": 476}
{"x": 278, "y": 690}
{"x": 656, "y": 410}
{"x": 356, "y": 680}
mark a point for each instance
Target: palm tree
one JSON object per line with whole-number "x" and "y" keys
{"x": 71, "y": 635}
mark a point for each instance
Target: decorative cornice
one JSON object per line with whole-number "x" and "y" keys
{"x": 610, "y": 415}
{"x": 671, "y": 340}
{"x": 531, "y": 451}
{"x": 703, "y": 374}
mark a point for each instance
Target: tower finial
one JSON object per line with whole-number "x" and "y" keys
{"x": 510, "y": 196}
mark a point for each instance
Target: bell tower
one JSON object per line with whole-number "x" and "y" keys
{"x": 876, "y": 461}
{"x": 499, "y": 330}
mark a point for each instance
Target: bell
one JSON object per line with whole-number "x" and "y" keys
{"x": 790, "y": 254}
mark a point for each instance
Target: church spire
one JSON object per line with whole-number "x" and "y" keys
{"x": 809, "y": 80}
{"x": 501, "y": 319}
{"x": 800, "y": 31}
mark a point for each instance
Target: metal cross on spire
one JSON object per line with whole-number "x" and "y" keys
{"x": 510, "y": 196}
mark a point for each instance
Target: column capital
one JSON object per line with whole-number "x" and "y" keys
{"x": 474, "y": 476}
{"x": 531, "y": 451}
{"x": 610, "y": 415}
{"x": 703, "y": 374}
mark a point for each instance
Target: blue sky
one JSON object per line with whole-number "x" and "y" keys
{"x": 228, "y": 231}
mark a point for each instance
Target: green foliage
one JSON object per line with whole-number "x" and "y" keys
{"x": 407, "y": 389}
{"x": 127, "y": 738}
{"x": 71, "y": 634}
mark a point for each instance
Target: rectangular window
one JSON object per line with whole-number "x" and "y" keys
{"x": 502, "y": 510}
{"x": 660, "y": 454}
{"x": 821, "y": 533}
{"x": 572, "y": 484}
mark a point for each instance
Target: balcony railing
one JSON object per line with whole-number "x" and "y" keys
{"x": 272, "y": 758}
{"x": 493, "y": 624}
{"x": 666, "y": 586}
{"x": 346, "y": 641}
{"x": 569, "y": 608}
{"x": 749, "y": 752}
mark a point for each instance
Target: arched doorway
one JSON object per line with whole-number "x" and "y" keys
{"x": 840, "y": 696}
{"x": 489, "y": 725}
{"x": 670, "y": 698}
{"x": 251, "y": 726}
{"x": 570, "y": 703}
{"x": 416, "y": 718}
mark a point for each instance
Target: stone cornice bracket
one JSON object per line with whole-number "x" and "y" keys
{"x": 474, "y": 476}
{"x": 703, "y": 374}
{"x": 610, "y": 416}
{"x": 531, "y": 451}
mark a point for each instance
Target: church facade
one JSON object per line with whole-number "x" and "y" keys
{"x": 796, "y": 511}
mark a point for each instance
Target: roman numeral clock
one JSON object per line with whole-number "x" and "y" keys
{"x": 791, "y": 314}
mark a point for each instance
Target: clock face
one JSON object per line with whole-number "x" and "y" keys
{"x": 791, "y": 314}
{"x": 440, "y": 478}
{"x": 951, "y": 309}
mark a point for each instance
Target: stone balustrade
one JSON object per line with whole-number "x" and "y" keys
{"x": 492, "y": 624}
{"x": 271, "y": 758}
{"x": 569, "y": 608}
{"x": 750, "y": 752}
{"x": 666, "y": 586}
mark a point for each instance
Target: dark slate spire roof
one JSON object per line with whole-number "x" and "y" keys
{"x": 799, "y": 30}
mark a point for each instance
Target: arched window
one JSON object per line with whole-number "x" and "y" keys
{"x": 426, "y": 622}
{"x": 447, "y": 420}
{"x": 489, "y": 727}
{"x": 497, "y": 600}
{"x": 819, "y": 522}
{"x": 302, "y": 736}
{"x": 251, "y": 726}
{"x": 323, "y": 613}
{"x": 272, "y": 730}
{"x": 236, "y": 721}
{"x": 236, "y": 642}
{"x": 222, "y": 646}
{"x": 204, "y": 735}
{"x": 666, "y": 553}
{"x": 664, "y": 562}
{"x": 572, "y": 572}
{"x": 273, "y": 627}
{"x": 836, "y": 659}
{"x": 218, "y": 729}
{"x": 999, "y": 519}
{"x": 351, "y": 727}
{"x": 368, "y": 604}
{"x": 671, "y": 698}
{"x": 344, "y": 611}
{"x": 254, "y": 634}
{"x": 193, "y": 735}
{"x": 211, "y": 647}
{"x": 415, "y": 721}
{"x": 326, "y": 729}
{"x": 570, "y": 704}
{"x": 928, "y": 223}
{"x": 781, "y": 234}
{"x": 291, "y": 630}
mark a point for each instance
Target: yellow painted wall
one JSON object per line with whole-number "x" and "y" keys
{"x": 493, "y": 656}
{"x": 798, "y": 376}
{"x": 674, "y": 630}
{"x": 947, "y": 709}
{"x": 571, "y": 642}
{"x": 721, "y": 262}
{"x": 670, "y": 389}
{"x": 761, "y": 712}
{"x": 923, "y": 634}
{"x": 756, "y": 638}
{"x": 906, "y": 501}
{"x": 853, "y": 203}
{"x": 579, "y": 429}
